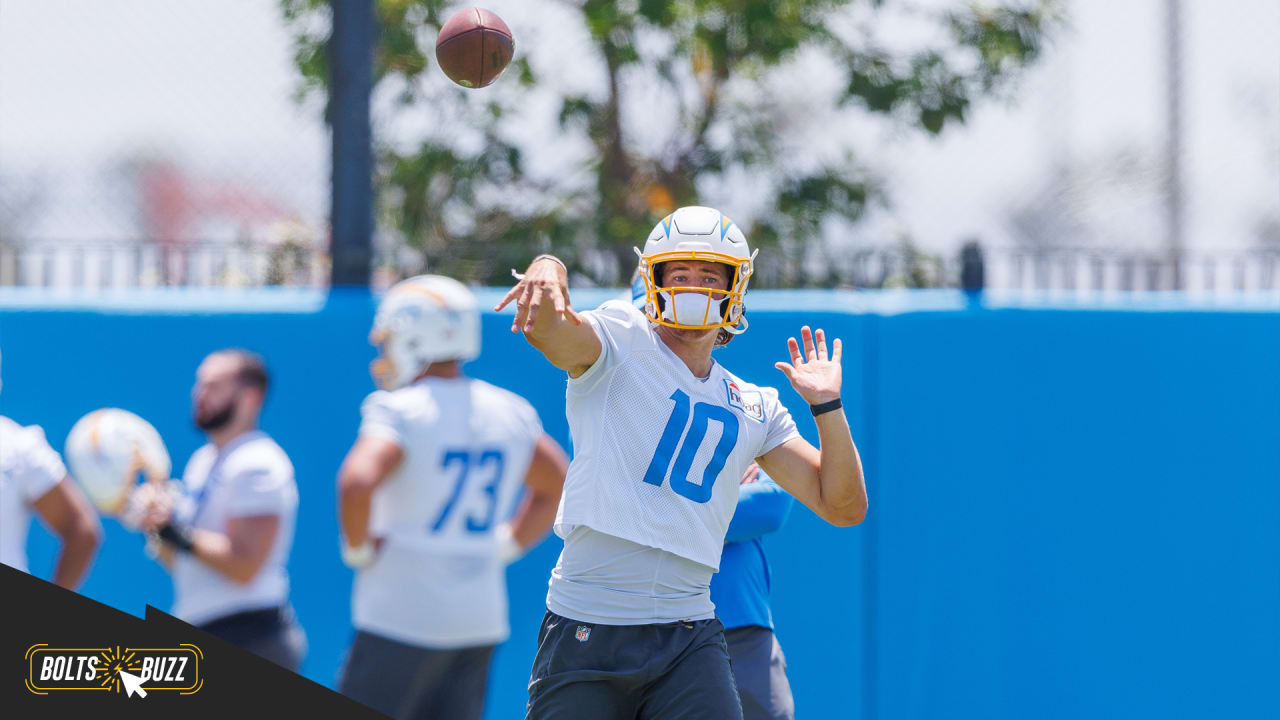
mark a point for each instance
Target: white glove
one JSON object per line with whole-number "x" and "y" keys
{"x": 509, "y": 549}
{"x": 360, "y": 557}
{"x": 143, "y": 498}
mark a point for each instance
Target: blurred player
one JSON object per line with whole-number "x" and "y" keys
{"x": 226, "y": 539}
{"x": 439, "y": 459}
{"x": 32, "y": 477}
{"x": 740, "y": 592}
{"x": 662, "y": 434}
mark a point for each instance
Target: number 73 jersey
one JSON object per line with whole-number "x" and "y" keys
{"x": 467, "y": 446}
{"x": 658, "y": 453}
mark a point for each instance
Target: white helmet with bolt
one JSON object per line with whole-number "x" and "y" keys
{"x": 109, "y": 450}
{"x": 703, "y": 234}
{"x": 422, "y": 320}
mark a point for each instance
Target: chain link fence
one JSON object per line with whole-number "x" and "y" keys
{"x": 159, "y": 144}
{"x": 154, "y": 143}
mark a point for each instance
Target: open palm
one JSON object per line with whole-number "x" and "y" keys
{"x": 812, "y": 374}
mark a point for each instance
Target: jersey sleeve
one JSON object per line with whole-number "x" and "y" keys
{"x": 781, "y": 426}
{"x": 261, "y": 488}
{"x": 620, "y": 327}
{"x": 380, "y": 418}
{"x": 41, "y": 467}
{"x": 762, "y": 508}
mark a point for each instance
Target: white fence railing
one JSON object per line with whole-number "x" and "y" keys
{"x": 116, "y": 265}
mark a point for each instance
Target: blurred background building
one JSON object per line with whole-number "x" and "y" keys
{"x": 1137, "y": 146}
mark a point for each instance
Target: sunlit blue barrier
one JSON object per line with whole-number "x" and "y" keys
{"x": 1073, "y": 509}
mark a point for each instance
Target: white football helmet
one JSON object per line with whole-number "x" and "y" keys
{"x": 638, "y": 295}
{"x": 108, "y": 450}
{"x": 425, "y": 319}
{"x": 704, "y": 234}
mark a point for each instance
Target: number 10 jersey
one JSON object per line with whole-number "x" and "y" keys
{"x": 658, "y": 453}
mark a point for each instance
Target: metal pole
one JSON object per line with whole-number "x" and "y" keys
{"x": 350, "y": 84}
{"x": 972, "y": 268}
{"x": 1173, "y": 189}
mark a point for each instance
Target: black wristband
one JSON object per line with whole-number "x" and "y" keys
{"x": 825, "y": 407}
{"x": 179, "y": 539}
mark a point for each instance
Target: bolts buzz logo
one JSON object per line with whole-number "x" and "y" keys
{"x": 114, "y": 670}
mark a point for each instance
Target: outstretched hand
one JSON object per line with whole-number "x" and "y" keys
{"x": 544, "y": 279}
{"x": 812, "y": 374}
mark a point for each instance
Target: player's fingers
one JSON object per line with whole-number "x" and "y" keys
{"x": 807, "y": 335}
{"x": 573, "y": 315}
{"x": 535, "y": 301}
{"x": 522, "y": 308}
{"x": 151, "y": 519}
{"x": 785, "y": 368}
{"x": 564, "y": 307}
{"x": 559, "y": 301}
{"x": 794, "y": 348}
{"x": 512, "y": 294}
{"x": 835, "y": 351}
{"x": 820, "y": 340}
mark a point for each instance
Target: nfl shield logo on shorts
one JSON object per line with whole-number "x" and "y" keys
{"x": 583, "y": 633}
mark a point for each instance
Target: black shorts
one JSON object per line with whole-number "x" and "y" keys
{"x": 273, "y": 633}
{"x": 760, "y": 669}
{"x": 409, "y": 681}
{"x": 669, "y": 671}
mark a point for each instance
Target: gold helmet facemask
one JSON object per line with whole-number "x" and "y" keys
{"x": 696, "y": 308}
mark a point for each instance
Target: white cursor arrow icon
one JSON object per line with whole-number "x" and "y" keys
{"x": 132, "y": 684}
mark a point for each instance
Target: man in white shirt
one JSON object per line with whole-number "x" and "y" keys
{"x": 33, "y": 478}
{"x": 226, "y": 539}
{"x": 662, "y": 433}
{"x": 423, "y": 494}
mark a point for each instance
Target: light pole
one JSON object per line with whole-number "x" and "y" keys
{"x": 351, "y": 82}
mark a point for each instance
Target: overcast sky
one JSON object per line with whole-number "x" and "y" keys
{"x": 84, "y": 83}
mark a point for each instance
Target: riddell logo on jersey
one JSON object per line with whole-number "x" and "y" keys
{"x": 751, "y": 403}
{"x": 114, "y": 670}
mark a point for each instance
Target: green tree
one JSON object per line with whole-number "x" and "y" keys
{"x": 464, "y": 193}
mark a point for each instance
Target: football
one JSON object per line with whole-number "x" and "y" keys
{"x": 474, "y": 47}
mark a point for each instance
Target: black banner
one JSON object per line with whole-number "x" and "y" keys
{"x": 64, "y": 653}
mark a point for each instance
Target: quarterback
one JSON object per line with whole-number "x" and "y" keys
{"x": 661, "y": 434}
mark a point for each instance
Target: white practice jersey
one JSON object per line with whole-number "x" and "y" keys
{"x": 438, "y": 580}
{"x": 29, "y": 468}
{"x": 658, "y": 452}
{"x": 250, "y": 476}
